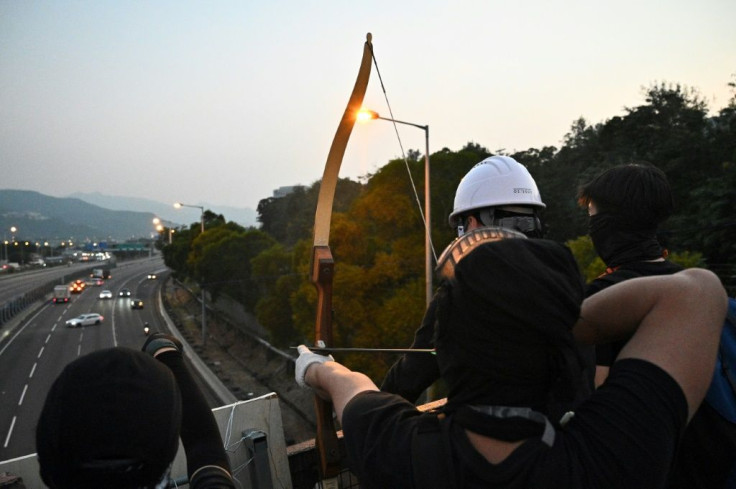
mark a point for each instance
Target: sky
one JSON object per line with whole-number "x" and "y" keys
{"x": 221, "y": 102}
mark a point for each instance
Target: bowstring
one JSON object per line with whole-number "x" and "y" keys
{"x": 403, "y": 156}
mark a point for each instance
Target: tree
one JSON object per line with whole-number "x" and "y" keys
{"x": 272, "y": 270}
{"x": 220, "y": 259}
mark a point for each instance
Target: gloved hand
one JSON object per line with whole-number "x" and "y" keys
{"x": 307, "y": 358}
{"x": 158, "y": 342}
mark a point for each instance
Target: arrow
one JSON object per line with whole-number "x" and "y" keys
{"x": 371, "y": 350}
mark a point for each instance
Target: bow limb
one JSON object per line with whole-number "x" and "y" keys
{"x": 323, "y": 264}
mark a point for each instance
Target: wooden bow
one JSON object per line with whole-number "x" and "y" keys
{"x": 323, "y": 264}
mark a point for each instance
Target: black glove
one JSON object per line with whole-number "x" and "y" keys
{"x": 160, "y": 341}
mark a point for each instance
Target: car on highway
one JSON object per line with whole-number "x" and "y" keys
{"x": 106, "y": 294}
{"x": 124, "y": 293}
{"x": 85, "y": 320}
{"x": 151, "y": 276}
{"x": 77, "y": 286}
{"x": 136, "y": 304}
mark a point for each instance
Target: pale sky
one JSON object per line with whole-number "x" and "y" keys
{"x": 222, "y": 102}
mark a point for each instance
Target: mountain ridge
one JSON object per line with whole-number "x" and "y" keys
{"x": 40, "y": 217}
{"x": 244, "y": 216}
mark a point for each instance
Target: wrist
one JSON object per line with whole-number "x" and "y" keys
{"x": 310, "y": 375}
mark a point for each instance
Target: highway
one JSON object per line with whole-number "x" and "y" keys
{"x": 36, "y": 351}
{"x": 15, "y": 284}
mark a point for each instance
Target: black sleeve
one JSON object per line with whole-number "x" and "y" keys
{"x": 378, "y": 430}
{"x": 415, "y": 372}
{"x": 199, "y": 432}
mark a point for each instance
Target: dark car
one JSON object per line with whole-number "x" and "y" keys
{"x": 124, "y": 293}
{"x": 151, "y": 276}
{"x": 136, "y": 303}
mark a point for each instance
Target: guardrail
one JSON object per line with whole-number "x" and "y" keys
{"x": 14, "y": 306}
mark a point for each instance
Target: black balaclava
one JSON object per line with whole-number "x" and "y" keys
{"x": 619, "y": 241}
{"x": 111, "y": 419}
{"x": 504, "y": 328}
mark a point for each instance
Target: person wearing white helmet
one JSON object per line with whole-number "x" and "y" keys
{"x": 510, "y": 313}
{"x": 500, "y": 192}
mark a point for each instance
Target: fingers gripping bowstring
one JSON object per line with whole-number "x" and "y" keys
{"x": 403, "y": 154}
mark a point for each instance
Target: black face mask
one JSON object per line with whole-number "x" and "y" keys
{"x": 617, "y": 243}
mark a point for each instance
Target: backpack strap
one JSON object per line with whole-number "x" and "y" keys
{"x": 431, "y": 457}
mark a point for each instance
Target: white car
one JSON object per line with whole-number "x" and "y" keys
{"x": 85, "y": 320}
{"x": 106, "y": 294}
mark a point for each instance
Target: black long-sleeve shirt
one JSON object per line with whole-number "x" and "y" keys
{"x": 207, "y": 464}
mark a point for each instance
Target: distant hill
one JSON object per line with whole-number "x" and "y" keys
{"x": 39, "y": 217}
{"x": 244, "y": 216}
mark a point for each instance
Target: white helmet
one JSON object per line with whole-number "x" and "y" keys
{"x": 494, "y": 182}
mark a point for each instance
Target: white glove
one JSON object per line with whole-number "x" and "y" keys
{"x": 307, "y": 358}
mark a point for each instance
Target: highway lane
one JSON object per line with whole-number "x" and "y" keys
{"x": 36, "y": 353}
{"x": 15, "y": 284}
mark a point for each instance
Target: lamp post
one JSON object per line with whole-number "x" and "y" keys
{"x": 179, "y": 205}
{"x": 13, "y": 230}
{"x": 370, "y": 115}
{"x": 161, "y": 227}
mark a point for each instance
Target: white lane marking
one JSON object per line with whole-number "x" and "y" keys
{"x": 48, "y": 338}
{"x": 114, "y": 331}
{"x": 40, "y": 352}
{"x": 23, "y": 395}
{"x": 30, "y": 376}
{"x": 10, "y": 432}
{"x": 53, "y": 328}
{"x": 79, "y": 349}
{"x": 20, "y": 331}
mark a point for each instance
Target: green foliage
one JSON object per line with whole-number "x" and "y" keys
{"x": 291, "y": 217}
{"x": 273, "y": 272}
{"x": 220, "y": 259}
{"x": 175, "y": 254}
{"x": 591, "y": 265}
{"x": 687, "y": 259}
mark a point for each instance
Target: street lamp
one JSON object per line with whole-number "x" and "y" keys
{"x": 366, "y": 115}
{"x": 13, "y": 230}
{"x": 179, "y": 205}
{"x": 161, "y": 228}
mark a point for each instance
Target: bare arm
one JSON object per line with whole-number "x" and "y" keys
{"x": 337, "y": 383}
{"x": 677, "y": 321}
